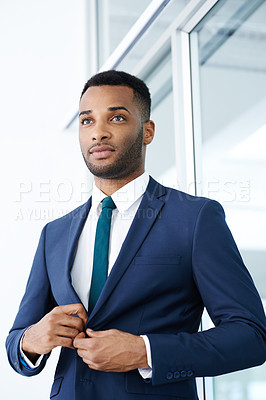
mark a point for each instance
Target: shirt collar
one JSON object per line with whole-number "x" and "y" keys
{"x": 124, "y": 197}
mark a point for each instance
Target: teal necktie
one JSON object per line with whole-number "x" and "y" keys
{"x": 101, "y": 250}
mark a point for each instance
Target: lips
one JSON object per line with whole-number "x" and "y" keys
{"x": 103, "y": 151}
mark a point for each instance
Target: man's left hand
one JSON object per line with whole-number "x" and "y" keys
{"x": 111, "y": 350}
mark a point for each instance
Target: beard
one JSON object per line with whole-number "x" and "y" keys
{"x": 124, "y": 166}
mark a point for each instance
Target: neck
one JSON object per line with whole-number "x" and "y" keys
{"x": 109, "y": 186}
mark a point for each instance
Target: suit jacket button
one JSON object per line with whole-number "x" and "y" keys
{"x": 177, "y": 375}
{"x": 169, "y": 375}
{"x": 183, "y": 374}
{"x": 189, "y": 373}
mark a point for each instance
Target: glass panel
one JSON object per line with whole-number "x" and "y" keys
{"x": 115, "y": 19}
{"x": 153, "y": 33}
{"x": 158, "y": 76}
{"x": 232, "y": 70}
{"x": 161, "y": 152}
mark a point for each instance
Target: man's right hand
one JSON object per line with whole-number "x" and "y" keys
{"x": 57, "y": 328}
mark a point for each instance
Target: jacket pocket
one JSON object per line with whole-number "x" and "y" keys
{"x": 56, "y": 387}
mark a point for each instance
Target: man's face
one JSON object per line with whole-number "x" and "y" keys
{"x": 111, "y": 132}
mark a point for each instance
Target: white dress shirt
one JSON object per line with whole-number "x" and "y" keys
{"x": 127, "y": 200}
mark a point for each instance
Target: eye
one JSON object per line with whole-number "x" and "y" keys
{"x": 118, "y": 118}
{"x": 86, "y": 121}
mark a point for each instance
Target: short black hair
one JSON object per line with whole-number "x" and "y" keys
{"x": 121, "y": 78}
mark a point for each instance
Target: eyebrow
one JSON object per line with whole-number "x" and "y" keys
{"x": 109, "y": 109}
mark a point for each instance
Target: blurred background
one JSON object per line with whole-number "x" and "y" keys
{"x": 205, "y": 64}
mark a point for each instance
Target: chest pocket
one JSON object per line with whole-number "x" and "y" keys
{"x": 168, "y": 260}
{"x": 160, "y": 274}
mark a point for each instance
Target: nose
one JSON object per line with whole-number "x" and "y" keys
{"x": 100, "y": 132}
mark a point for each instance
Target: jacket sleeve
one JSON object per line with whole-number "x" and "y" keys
{"x": 238, "y": 340}
{"x": 36, "y": 302}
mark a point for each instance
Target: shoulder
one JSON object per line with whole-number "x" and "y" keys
{"x": 196, "y": 209}
{"x": 175, "y": 198}
{"x": 66, "y": 220}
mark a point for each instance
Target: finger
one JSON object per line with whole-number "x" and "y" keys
{"x": 59, "y": 316}
{"x": 81, "y": 335}
{"x": 80, "y": 344}
{"x": 86, "y": 359}
{"x": 73, "y": 322}
{"x": 64, "y": 342}
{"x": 83, "y": 354}
{"x": 92, "y": 333}
{"x": 66, "y": 331}
{"x": 78, "y": 309}
{"x": 80, "y": 341}
{"x": 96, "y": 334}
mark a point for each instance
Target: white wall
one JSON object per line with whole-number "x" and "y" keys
{"x": 43, "y": 70}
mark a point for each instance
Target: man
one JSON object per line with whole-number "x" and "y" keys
{"x": 125, "y": 305}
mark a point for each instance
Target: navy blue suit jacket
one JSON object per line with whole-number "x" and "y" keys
{"x": 178, "y": 257}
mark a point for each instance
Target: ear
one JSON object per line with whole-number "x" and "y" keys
{"x": 148, "y": 132}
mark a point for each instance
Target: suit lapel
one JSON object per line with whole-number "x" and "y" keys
{"x": 77, "y": 223}
{"x": 145, "y": 217}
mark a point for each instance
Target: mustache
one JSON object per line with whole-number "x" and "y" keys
{"x": 100, "y": 144}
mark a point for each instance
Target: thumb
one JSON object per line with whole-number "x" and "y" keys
{"x": 92, "y": 333}
{"x": 96, "y": 334}
{"x": 81, "y": 335}
{"x": 76, "y": 342}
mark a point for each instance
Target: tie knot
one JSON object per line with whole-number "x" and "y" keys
{"x": 108, "y": 203}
